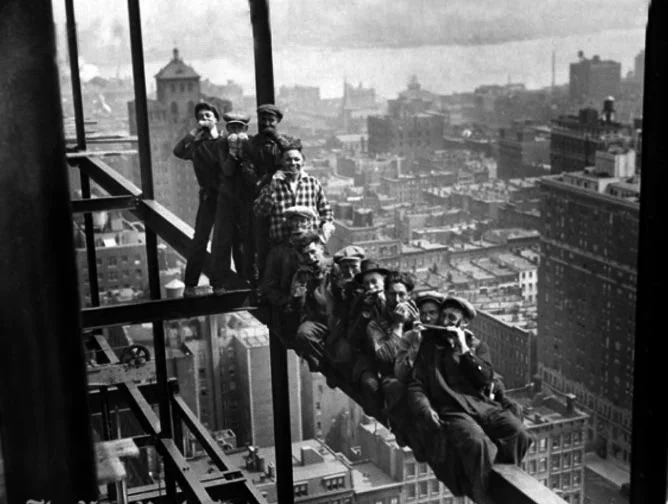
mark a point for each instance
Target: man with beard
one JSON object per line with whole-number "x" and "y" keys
{"x": 449, "y": 399}
{"x": 201, "y": 146}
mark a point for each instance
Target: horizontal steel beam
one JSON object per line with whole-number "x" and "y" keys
{"x": 118, "y": 399}
{"x": 103, "y": 204}
{"x": 106, "y": 177}
{"x": 105, "y": 139}
{"x": 165, "y": 309}
{"x": 114, "y": 374}
{"x": 93, "y": 154}
{"x": 188, "y": 481}
{"x": 509, "y": 483}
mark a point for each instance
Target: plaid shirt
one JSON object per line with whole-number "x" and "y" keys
{"x": 277, "y": 196}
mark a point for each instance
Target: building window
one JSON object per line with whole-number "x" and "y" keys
{"x": 542, "y": 464}
{"x": 556, "y": 442}
{"x": 542, "y": 445}
{"x": 566, "y": 460}
{"x": 577, "y": 479}
{"x": 435, "y": 487}
{"x": 555, "y": 463}
{"x": 566, "y": 480}
{"x": 424, "y": 489}
{"x": 300, "y": 489}
{"x": 410, "y": 491}
{"x": 532, "y": 467}
{"x": 422, "y": 468}
{"x": 394, "y": 500}
{"x": 567, "y": 440}
{"x": 410, "y": 469}
{"x": 577, "y": 458}
{"x": 577, "y": 438}
{"x": 554, "y": 481}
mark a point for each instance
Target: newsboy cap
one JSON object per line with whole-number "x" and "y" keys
{"x": 429, "y": 296}
{"x": 206, "y": 106}
{"x": 236, "y": 117}
{"x": 300, "y": 210}
{"x": 349, "y": 253}
{"x": 461, "y": 304}
{"x": 270, "y": 108}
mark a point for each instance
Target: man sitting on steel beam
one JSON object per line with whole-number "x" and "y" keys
{"x": 450, "y": 399}
{"x": 282, "y": 264}
{"x": 311, "y": 302}
{"x": 200, "y": 146}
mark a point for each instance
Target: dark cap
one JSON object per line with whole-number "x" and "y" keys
{"x": 461, "y": 304}
{"x": 349, "y": 253}
{"x": 270, "y": 108}
{"x": 431, "y": 296}
{"x": 370, "y": 266}
{"x": 206, "y": 106}
{"x": 236, "y": 117}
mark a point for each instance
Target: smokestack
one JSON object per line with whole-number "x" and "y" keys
{"x": 537, "y": 384}
{"x": 570, "y": 403}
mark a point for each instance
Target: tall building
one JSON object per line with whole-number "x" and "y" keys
{"x": 586, "y": 301}
{"x": 419, "y": 485}
{"x": 320, "y": 476}
{"x": 592, "y": 80}
{"x": 575, "y": 139}
{"x": 512, "y": 348}
{"x": 412, "y": 127}
{"x": 524, "y": 150}
{"x": 321, "y": 405}
{"x": 557, "y": 456}
{"x": 178, "y": 90}
{"x": 246, "y": 380}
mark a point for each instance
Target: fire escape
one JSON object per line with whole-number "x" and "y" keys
{"x": 46, "y": 400}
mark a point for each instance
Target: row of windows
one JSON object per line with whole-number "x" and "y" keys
{"x": 558, "y": 441}
{"x": 423, "y": 489}
{"x": 182, "y": 87}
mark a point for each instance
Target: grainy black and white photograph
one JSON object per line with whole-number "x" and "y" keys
{"x": 332, "y": 252}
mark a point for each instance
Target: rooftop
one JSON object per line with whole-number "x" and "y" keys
{"x": 176, "y": 69}
{"x": 368, "y": 476}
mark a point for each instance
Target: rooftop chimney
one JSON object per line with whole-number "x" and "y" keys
{"x": 537, "y": 384}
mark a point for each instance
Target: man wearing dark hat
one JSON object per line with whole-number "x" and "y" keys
{"x": 347, "y": 264}
{"x": 448, "y": 395}
{"x": 200, "y": 146}
{"x": 232, "y": 224}
{"x": 262, "y": 158}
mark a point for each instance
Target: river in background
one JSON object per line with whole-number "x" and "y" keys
{"x": 442, "y": 69}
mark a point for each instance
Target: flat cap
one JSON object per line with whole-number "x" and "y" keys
{"x": 460, "y": 303}
{"x": 349, "y": 253}
{"x": 236, "y": 117}
{"x": 370, "y": 266}
{"x": 300, "y": 210}
{"x": 206, "y": 106}
{"x": 432, "y": 296}
{"x": 270, "y": 108}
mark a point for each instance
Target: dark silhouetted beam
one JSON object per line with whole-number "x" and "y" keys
{"x": 104, "y": 204}
{"x": 106, "y": 177}
{"x": 47, "y": 445}
{"x": 165, "y": 309}
{"x": 649, "y": 447}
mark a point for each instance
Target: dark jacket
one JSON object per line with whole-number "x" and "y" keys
{"x": 205, "y": 156}
{"x": 450, "y": 383}
{"x": 262, "y": 157}
{"x": 282, "y": 263}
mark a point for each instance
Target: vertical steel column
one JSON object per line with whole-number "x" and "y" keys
{"x": 106, "y": 431}
{"x": 73, "y": 51}
{"x": 45, "y": 429}
{"x": 649, "y": 448}
{"x": 264, "y": 90}
{"x": 144, "y": 145}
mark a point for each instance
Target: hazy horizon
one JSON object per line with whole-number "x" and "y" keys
{"x": 211, "y": 30}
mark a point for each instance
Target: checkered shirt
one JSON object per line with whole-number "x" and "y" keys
{"x": 277, "y": 196}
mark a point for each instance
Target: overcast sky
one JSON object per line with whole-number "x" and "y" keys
{"x": 204, "y": 26}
